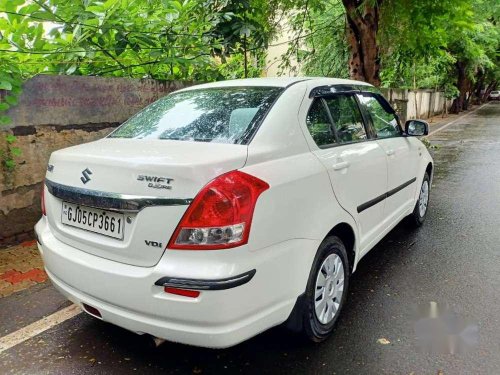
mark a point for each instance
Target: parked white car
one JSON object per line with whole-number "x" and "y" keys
{"x": 224, "y": 209}
{"x": 494, "y": 95}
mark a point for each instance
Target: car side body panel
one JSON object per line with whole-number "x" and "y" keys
{"x": 409, "y": 164}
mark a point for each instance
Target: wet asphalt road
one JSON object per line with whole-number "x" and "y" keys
{"x": 453, "y": 259}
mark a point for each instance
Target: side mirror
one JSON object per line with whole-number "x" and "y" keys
{"x": 416, "y": 128}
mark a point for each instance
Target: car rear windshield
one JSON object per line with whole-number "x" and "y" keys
{"x": 221, "y": 115}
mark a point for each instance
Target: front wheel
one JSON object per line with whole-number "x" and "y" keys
{"x": 417, "y": 217}
{"x": 326, "y": 290}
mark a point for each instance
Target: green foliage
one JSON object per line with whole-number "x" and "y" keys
{"x": 417, "y": 73}
{"x": 11, "y": 74}
{"x": 317, "y": 46}
{"x": 326, "y": 53}
{"x": 421, "y": 28}
{"x": 162, "y": 39}
{"x": 423, "y": 42}
{"x": 420, "y": 41}
{"x": 199, "y": 40}
{"x": 7, "y": 156}
{"x": 246, "y": 22}
{"x": 233, "y": 66}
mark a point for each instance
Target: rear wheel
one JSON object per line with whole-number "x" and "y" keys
{"x": 326, "y": 290}
{"x": 417, "y": 217}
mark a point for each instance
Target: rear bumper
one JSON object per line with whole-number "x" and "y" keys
{"x": 130, "y": 297}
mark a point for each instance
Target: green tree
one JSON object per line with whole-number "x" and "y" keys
{"x": 446, "y": 44}
{"x": 319, "y": 44}
{"x": 476, "y": 52}
{"x": 199, "y": 40}
{"x": 246, "y": 30}
{"x": 451, "y": 45}
{"x": 375, "y": 30}
{"x": 165, "y": 39}
{"x": 14, "y": 68}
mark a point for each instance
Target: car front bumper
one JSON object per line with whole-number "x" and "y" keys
{"x": 133, "y": 297}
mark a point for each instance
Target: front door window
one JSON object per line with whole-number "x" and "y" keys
{"x": 385, "y": 122}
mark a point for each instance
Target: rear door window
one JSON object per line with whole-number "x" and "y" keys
{"x": 346, "y": 118}
{"x": 220, "y": 115}
{"x": 319, "y": 124}
{"x": 335, "y": 120}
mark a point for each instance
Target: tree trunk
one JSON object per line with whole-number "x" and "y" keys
{"x": 462, "y": 85}
{"x": 245, "y": 56}
{"x": 468, "y": 94}
{"x": 362, "y": 28}
{"x": 489, "y": 89}
{"x": 479, "y": 86}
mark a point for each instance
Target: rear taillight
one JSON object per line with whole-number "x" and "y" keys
{"x": 221, "y": 214}
{"x": 42, "y": 200}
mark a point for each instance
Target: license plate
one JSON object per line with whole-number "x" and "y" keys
{"x": 95, "y": 220}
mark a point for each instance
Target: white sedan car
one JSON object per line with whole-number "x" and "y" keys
{"x": 224, "y": 209}
{"x": 494, "y": 95}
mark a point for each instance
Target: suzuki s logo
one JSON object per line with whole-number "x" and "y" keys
{"x": 86, "y": 175}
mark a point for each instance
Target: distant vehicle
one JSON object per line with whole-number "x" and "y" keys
{"x": 224, "y": 209}
{"x": 494, "y": 95}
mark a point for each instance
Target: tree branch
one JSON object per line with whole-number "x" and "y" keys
{"x": 147, "y": 63}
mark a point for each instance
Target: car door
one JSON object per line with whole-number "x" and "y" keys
{"x": 401, "y": 153}
{"x": 357, "y": 166}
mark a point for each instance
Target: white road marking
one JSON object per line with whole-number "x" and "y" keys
{"x": 452, "y": 122}
{"x": 34, "y": 329}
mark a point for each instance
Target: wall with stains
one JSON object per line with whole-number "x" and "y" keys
{"x": 55, "y": 112}
{"x": 422, "y": 104}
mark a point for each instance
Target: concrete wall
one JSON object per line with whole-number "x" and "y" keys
{"x": 56, "y": 112}
{"x": 421, "y": 104}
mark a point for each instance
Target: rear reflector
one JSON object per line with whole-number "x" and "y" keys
{"x": 183, "y": 292}
{"x": 92, "y": 310}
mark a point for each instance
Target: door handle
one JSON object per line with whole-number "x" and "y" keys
{"x": 341, "y": 165}
{"x": 390, "y": 152}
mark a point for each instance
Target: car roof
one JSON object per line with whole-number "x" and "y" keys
{"x": 276, "y": 82}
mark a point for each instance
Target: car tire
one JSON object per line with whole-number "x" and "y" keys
{"x": 331, "y": 253}
{"x": 417, "y": 217}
